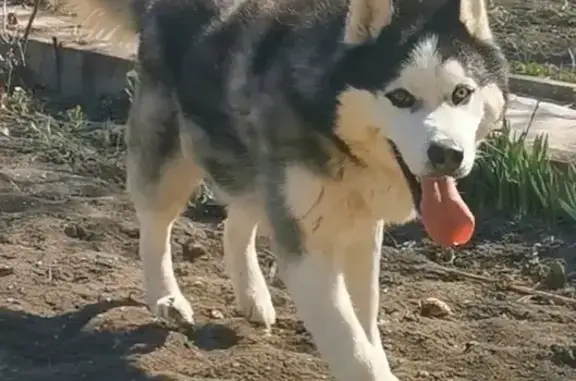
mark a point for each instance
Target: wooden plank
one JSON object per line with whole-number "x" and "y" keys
{"x": 543, "y": 88}
{"x": 544, "y": 117}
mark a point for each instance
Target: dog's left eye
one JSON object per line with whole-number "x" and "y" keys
{"x": 461, "y": 95}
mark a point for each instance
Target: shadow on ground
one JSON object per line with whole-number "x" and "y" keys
{"x": 62, "y": 348}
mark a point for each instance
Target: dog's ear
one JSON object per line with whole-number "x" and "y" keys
{"x": 474, "y": 15}
{"x": 365, "y": 19}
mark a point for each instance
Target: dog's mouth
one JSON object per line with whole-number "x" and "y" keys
{"x": 444, "y": 214}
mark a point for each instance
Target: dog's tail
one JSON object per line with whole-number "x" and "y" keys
{"x": 119, "y": 19}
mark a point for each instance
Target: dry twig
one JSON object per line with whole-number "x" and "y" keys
{"x": 505, "y": 286}
{"x": 13, "y": 50}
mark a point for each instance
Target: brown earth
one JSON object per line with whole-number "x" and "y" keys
{"x": 70, "y": 293}
{"x": 536, "y": 31}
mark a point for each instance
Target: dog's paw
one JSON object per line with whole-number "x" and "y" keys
{"x": 258, "y": 308}
{"x": 174, "y": 309}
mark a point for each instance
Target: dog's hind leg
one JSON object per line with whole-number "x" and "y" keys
{"x": 160, "y": 180}
{"x": 250, "y": 288}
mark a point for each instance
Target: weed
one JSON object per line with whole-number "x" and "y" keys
{"x": 536, "y": 69}
{"x": 517, "y": 177}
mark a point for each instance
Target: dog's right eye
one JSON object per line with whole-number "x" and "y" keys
{"x": 401, "y": 98}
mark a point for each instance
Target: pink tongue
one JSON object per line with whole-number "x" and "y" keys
{"x": 446, "y": 217}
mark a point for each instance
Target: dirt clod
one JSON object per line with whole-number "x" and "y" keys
{"x": 433, "y": 307}
{"x": 76, "y": 231}
{"x": 6, "y": 270}
{"x": 470, "y": 345}
{"x": 191, "y": 251}
{"x": 216, "y": 314}
{"x": 564, "y": 354}
{"x": 556, "y": 277}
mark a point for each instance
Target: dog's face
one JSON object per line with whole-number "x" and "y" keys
{"x": 436, "y": 113}
{"x": 446, "y": 87}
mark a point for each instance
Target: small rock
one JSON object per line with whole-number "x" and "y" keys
{"x": 448, "y": 256}
{"x": 469, "y": 345}
{"x": 433, "y": 307}
{"x": 564, "y": 354}
{"x": 423, "y": 373}
{"x": 131, "y": 232}
{"x": 216, "y": 314}
{"x": 556, "y": 277}
{"x": 192, "y": 251}
{"x": 382, "y": 322}
{"x": 6, "y": 270}
{"x": 71, "y": 231}
{"x": 12, "y": 19}
{"x": 4, "y": 238}
{"x": 75, "y": 231}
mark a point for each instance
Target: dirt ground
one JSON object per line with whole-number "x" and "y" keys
{"x": 70, "y": 293}
{"x": 536, "y": 31}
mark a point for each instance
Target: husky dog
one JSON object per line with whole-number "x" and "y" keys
{"x": 317, "y": 121}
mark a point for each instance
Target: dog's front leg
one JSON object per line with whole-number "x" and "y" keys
{"x": 311, "y": 254}
{"x": 316, "y": 284}
{"x": 361, "y": 273}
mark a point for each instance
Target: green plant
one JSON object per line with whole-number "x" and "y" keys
{"x": 132, "y": 81}
{"x": 535, "y": 69}
{"x": 515, "y": 176}
{"x": 64, "y": 137}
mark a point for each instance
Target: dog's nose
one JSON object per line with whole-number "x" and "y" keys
{"x": 445, "y": 158}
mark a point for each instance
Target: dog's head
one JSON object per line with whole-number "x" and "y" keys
{"x": 429, "y": 78}
{"x": 437, "y": 77}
